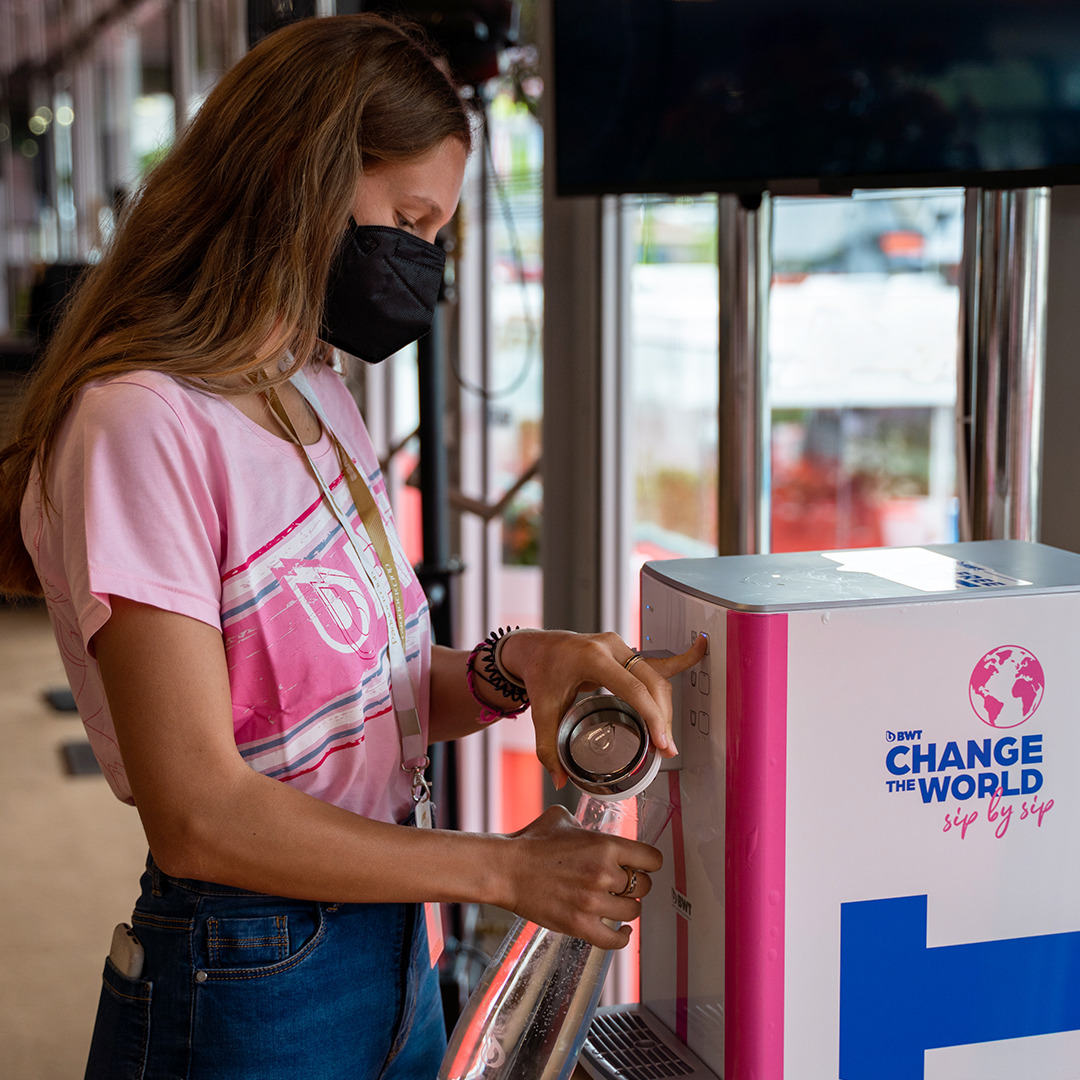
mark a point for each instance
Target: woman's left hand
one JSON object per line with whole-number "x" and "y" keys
{"x": 557, "y": 665}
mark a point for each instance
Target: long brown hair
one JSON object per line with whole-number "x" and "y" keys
{"x": 221, "y": 265}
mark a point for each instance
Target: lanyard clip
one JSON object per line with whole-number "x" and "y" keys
{"x": 421, "y": 789}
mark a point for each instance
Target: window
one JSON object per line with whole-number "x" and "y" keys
{"x": 514, "y": 389}
{"x": 861, "y": 372}
{"x": 673, "y": 376}
{"x": 863, "y": 318}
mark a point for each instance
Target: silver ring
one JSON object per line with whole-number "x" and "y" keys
{"x": 631, "y": 660}
{"x": 631, "y": 882}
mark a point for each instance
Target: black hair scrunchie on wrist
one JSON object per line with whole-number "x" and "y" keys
{"x": 484, "y": 662}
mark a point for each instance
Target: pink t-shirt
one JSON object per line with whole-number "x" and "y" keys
{"x": 170, "y": 496}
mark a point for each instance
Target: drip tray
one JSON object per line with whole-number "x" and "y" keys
{"x": 626, "y": 1042}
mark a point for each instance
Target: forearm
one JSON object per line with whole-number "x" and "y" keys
{"x": 256, "y": 833}
{"x": 262, "y": 835}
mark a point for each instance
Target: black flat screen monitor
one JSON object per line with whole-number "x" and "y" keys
{"x": 685, "y": 96}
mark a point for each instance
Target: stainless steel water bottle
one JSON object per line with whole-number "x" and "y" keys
{"x": 528, "y": 1017}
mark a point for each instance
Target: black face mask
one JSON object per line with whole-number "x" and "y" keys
{"x": 382, "y": 291}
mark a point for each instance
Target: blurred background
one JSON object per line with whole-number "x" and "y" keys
{"x": 581, "y": 333}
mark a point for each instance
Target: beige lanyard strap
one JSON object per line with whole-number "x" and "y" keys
{"x": 390, "y": 598}
{"x": 368, "y": 510}
{"x": 366, "y": 506}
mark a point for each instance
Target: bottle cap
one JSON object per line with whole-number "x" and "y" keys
{"x": 604, "y": 746}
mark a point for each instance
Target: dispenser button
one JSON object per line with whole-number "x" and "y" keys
{"x": 703, "y": 682}
{"x": 703, "y": 723}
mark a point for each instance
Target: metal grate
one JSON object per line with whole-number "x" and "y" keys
{"x": 621, "y": 1045}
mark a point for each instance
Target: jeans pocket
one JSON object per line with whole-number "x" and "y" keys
{"x": 122, "y": 1029}
{"x": 258, "y": 943}
{"x": 247, "y": 942}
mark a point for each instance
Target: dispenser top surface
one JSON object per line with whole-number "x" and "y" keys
{"x": 820, "y": 579}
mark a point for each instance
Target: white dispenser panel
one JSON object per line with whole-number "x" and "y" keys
{"x": 872, "y": 872}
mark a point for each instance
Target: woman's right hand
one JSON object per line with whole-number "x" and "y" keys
{"x": 556, "y": 665}
{"x": 569, "y": 878}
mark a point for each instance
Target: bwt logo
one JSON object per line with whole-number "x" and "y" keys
{"x": 903, "y": 736}
{"x": 681, "y": 904}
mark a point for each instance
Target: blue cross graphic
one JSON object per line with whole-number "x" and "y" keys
{"x": 899, "y": 998}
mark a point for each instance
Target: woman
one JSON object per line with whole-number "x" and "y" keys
{"x": 203, "y": 512}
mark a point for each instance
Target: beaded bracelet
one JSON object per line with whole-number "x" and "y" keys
{"x": 486, "y": 656}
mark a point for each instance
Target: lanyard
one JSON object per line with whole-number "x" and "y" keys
{"x": 376, "y": 561}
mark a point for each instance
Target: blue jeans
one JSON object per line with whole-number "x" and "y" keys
{"x": 242, "y": 986}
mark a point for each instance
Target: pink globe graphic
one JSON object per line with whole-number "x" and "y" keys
{"x": 1006, "y": 686}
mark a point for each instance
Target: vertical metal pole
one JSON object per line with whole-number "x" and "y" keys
{"x": 1002, "y": 357}
{"x": 433, "y": 472}
{"x": 745, "y": 274}
{"x": 183, "y": 39}
{"x": 86, "y": 172}
{"x": 435, "y": 571}
{"x": 9, "y": 56}
{"x": 236, "y": 32}
{"x": 616, "y": 488}
{"x": 472, "y": 612}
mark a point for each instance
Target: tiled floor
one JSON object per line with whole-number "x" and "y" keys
{"x": 70, "y": 856}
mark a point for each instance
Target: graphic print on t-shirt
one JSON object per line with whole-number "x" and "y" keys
{"x": 334, "y": 603}
{"x": 302, "y": 607}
